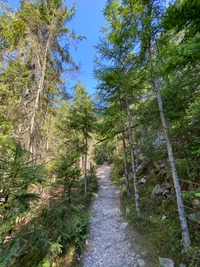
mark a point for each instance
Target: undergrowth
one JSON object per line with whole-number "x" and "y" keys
{"x": 158, "y": 228}
{"x": 55, "y": 236}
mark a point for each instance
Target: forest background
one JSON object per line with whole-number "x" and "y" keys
{"x": 144, "y": 121}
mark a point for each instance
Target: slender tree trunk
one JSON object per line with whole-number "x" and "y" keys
{"x": 124, "y": 150}
{"x": 181, "y": 209}
{"x": 133, "y": 158}
{"x": 81, "y": 163}
{"x": 85, "y": 165}
{"x": 125, "y": 163}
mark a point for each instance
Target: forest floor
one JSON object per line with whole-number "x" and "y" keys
{"x": 111, "y": 242}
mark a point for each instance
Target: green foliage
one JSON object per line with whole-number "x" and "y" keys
{"x": 153, "y": 233}
{"x": 92, "y": 186}
{"x": 50, "y": 232}
{"x": 103, "y": 152}
{"x": 48, "y": 236}
{"x": 42, "y": 209}
{"x": 82, "y": 115}
{"x": 17, "y": 174}
{"x": 191, "y": 194}
{"x": 192, "y": 256}
{"x": 67, "y": 174}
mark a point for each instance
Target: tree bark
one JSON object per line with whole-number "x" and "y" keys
{"x": 38, "y": 98}
{"x": 133, "y": 158}
{"x": 182, "y": 216}
{"x": 41, "y": 62}
{"x": 124, "y": 150}
{"x": 85, "y": 165}
{"x": 125, "y": 163}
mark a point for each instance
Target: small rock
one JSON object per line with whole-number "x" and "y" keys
{"x": 196, "y": 203}
{"x": 160, "y": 189}
{"x": 164, "y": 262}
{"x": 143, "y": 180}
{"x": 128, "y": 211}
{"x": 194, "y": 217}
{"x": 163, "y": 218}
{"x": 123, "y": 226}
{"x": 162, "y": 165}
{"x": 166, "y": 193}
{"x": 156, "y": 190}
{"x": 144, "y": 254}
{"x": 141, "y": 263}
{"x": 108, "y": 212}
{"x": 182, "y": 265}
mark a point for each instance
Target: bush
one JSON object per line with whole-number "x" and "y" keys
{"x": 50, "y": 235}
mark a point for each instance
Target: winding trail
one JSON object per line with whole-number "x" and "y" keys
{"x": 110, "y": 243}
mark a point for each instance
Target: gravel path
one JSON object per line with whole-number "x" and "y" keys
{"x": 110, "y": 244}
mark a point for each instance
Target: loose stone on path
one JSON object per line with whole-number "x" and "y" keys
{"x": 110, "y": 244}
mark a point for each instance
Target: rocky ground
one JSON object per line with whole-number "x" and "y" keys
{"x": 111, "y": 244}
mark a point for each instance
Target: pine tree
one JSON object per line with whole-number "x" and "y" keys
{"x": 82, "y": 120}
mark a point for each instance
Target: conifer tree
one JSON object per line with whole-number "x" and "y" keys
{"x": 82, "y": 120}
{"x": 35, "y": 75}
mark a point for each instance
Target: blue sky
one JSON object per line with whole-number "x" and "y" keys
{"x": 87, "y": 22}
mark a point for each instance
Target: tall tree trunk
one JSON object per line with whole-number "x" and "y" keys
{"x": 124, "y": 150}
{"x": 37, "y": 100}
{"x": 42, "y": 62}
{"x": 133, "y": 158}
{"x": 181, "y": 209}
{"x": 125, "y": 162}
{"x": 85, "y": 165}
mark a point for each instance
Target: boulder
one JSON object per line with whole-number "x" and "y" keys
{"x": 143, "y": 254}
{"x": 143, "y": 180}
{"x": 156, "y": 190}
{"x": 141, "y": 263}
{"x": 194, "y": 217}
{"x": 164, "y": 262}
{"x": 163, "y": 218}
{"x": 123, "y": 226}
{"x": 160, "y": 189}
{"x": 196, "y": 203}
{"x": 166, "y": 193}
